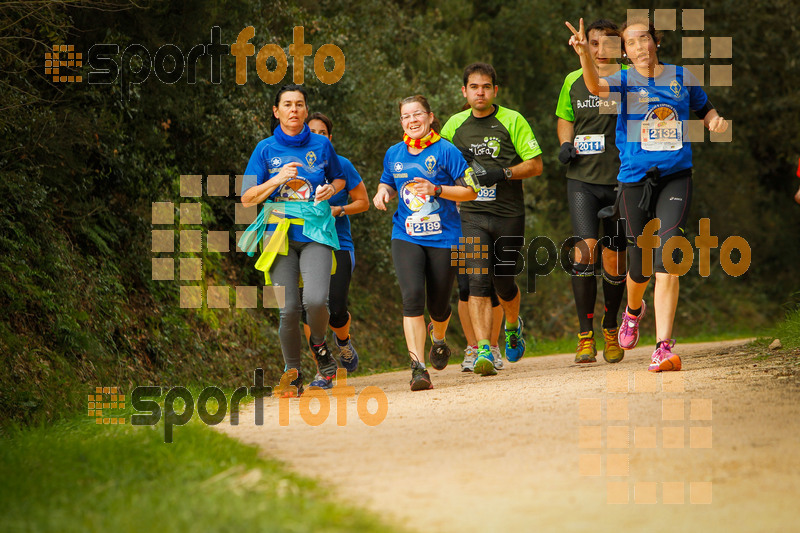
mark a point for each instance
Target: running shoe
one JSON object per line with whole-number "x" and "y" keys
{"x": 293, "y": 389}
{"x": 420, "y": 378}
{"x": 440, "y": 353}
{"x": 348, "y": 355}
{"x": 587, "y": 349}
{"x": 664, "y": 359}
{"x": 470, "y": 352}
{"x": 326, "y": 364}
{"x": 498, "y": 358}
{"x": 484, "y": 363}
{"x": 629, "y": 330}
{"x": 515, "y": 343}
{"x": 612, "y": 352}
{"x": 321, "y": 382}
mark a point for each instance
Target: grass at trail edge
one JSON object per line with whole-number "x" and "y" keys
{"x": 78, "y": 476}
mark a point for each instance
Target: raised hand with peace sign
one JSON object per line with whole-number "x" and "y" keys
{"x": 591, "y": 76}
{"x": 578, "y": 39}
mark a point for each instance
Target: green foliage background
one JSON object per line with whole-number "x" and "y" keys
{"x": 80, "y": 166}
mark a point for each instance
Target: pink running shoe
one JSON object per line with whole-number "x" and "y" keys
{"x": 629, "y": 329}
{"x": 664, "y": 359}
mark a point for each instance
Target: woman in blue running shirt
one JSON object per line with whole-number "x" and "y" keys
{"x": 351, "y": 200}
{"x": 295, "y": 172}
{"x": 429, "y": 175}
{"x": 655, "y": 176}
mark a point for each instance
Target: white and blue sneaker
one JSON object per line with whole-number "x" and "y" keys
{"x": 470, "y": 352}
{"x": 321, "y": 382}
{"x": 498, "y": 357}
{"x": 348, "y": 355}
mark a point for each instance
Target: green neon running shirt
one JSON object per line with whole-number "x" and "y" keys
{"x": 503, "y": 139}
{"x": 591, "y": 122}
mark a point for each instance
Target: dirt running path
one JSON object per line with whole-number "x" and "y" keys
{"x": 505, "y": 453}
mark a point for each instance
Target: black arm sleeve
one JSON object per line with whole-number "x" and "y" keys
{"x": 703, "y": 111}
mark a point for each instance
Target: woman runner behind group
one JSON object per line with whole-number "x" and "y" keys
{"x": 430, "y": 175}
{"x": 655, "y": 167}
{"x": 292, "y": 172}
{"x": 345, "y": 255}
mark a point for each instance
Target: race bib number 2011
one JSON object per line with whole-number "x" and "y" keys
{"x": 590, "y": 144}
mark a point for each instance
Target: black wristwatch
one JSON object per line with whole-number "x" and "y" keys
{"x": 507, "y": 172}
{"x": 437, "y": 191}
{"x": 341, "y": 212}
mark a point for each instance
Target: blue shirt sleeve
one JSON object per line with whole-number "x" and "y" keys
{"x": 455, "y": 163}
{"x": 386, "y": 176}
{"x": 256, "y": 172}
{"x": 697, "y": 96}
{"x": 334, "y": 169}
{"x": 352, "y": 177}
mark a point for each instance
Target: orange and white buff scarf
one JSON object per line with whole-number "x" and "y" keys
{"x": 424, "y": 142}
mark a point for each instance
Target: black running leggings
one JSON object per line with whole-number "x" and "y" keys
{"x": 424, "y": 271}
{"x": 585, "y": 200}
{"x": 504, "y": 238}
{"x": 463, "y": 290}
{"x": 671, "y": 199}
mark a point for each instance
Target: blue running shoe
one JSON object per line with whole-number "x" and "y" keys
{"x": 321, "y": 382}
{"x": 348, "y": 355}
{"x": 484, "y": 363}
{"x": 515, "y": 343}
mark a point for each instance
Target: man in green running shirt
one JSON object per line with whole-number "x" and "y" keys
{"x": 500, "y": 146}
{"x": 586, "y": 133}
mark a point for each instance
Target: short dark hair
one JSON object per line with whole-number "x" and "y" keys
{"x": 323, "y": 118}
{"x": 480, "y": 68}
{"x": 604, "y": 25}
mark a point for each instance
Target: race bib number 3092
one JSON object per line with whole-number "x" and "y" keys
{"x": 487, "y": 194}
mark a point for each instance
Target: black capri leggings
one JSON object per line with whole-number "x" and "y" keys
{"x": 490, "y": 228}
{"x": 463, "y": 290}
{"x": 424, "y": 271}
{"x": 671, "y": 198}
{"x": 585, "y": 200}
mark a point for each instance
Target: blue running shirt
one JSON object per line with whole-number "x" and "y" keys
{"x": 424, "y": 220}
{"x": 654, "y": 120}
{"x": 319, "y": 165}
{"x": 352, "y": 179}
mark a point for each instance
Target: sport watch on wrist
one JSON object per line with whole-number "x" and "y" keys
{"x": 437, "y": 191}
{"x": 507, "y": 172}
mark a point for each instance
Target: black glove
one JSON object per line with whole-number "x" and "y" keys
{"x": 567, "y": 152}
{"x": 488, "y": 176}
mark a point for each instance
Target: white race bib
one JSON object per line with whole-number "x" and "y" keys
{"x": 422, "y": 225}
{"x": 590, "y": 144}
{"x": 662, "y": 135}
{"x": 487, "y": 194}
